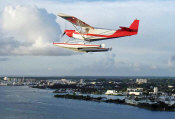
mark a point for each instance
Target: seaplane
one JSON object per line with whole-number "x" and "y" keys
{"x": 88, "y": 34}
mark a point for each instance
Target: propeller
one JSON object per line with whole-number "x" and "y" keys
{"x": 63, "y": 34}
{"x": 64, "y": 31}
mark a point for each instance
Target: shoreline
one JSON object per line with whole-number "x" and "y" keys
{"x": 159, "y": 106}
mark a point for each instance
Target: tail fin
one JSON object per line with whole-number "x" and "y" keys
{"x": 135, "y": 25}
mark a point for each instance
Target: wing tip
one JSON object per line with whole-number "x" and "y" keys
{"x": 63, "y": 15}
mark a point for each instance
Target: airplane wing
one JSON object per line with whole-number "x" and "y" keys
{"x": 74, "y": 20}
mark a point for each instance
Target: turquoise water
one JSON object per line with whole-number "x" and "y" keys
{"x": 28, "y": 103}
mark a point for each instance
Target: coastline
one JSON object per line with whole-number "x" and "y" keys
{"x": 159, "y": 106}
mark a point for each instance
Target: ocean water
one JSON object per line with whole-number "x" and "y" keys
{"x": 28, "y": 103}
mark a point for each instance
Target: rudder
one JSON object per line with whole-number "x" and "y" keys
{"x": 134, "y": 25}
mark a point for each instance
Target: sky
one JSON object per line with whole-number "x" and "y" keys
{"x": 29, "y": 27}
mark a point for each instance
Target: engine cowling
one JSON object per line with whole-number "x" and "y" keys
{"x": 69, "y": 32}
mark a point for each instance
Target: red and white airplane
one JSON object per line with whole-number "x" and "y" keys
{"x": 89, "y": 33}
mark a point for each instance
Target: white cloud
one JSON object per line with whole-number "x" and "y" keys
{"x": 28, "y": 30}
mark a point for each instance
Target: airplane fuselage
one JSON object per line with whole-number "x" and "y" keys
{"x": 99, "y": 34}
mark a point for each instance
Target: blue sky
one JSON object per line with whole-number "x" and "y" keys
{"x": 28, "y": 28}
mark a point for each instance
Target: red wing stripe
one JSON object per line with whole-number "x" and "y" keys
{"x": 75, "y": 44}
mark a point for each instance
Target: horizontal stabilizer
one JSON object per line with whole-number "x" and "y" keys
{"x": 125, "y": 29}
{"x": 132, "y": 28}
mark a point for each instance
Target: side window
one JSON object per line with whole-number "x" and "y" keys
{"x": 86, "y": 30}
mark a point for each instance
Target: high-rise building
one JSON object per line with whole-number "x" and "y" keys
{"x": 155, "y": 90}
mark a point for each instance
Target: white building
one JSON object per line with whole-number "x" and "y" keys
{"x": 155, "y": 90}
{"x": 6, "y": 78}
{"x": 170, "y": 86}
{"x": 82, "y": 81}
{"x": 93, "y": 82}
{"x": 65, "y": 81}
{"x": 111, "y": 92}
{"x": 141, "y": 81}
{"x": 3, "y": 83}
{"x": 135, "y": 93}
{"x": 134, "y": 89}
